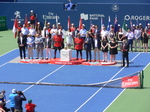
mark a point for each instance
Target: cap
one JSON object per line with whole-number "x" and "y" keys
{"x": 72, "y": 24}
{"x": 14, "y": 90}
{"x": 133, "y": 25}
{"x": 19, "y": 21}
{"x": 28, "y": 21}
{"x": 83, "y": 24}
{"x": 148, "y": 24}
{"x": 48, "y": 23}
{"x": 31, "y": 11}
{"x": 38, "y": 23}
{"x": 140, "y": 23}
{"x": 29, "y": 101}
{"x": 118, "y": 24}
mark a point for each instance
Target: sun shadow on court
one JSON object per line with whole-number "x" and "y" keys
{"x": 146, "y": 87}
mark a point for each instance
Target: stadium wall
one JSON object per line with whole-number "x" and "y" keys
{"x": 90, "y": 12}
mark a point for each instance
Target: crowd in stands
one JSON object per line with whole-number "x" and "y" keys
{"x": 55, "y": 37}
{"x": 16, "y": 99}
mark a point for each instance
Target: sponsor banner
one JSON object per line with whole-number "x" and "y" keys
{"x": 3, "y": 25}
{"x": 132, "y": 81}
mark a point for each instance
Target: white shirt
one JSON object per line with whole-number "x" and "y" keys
{"x": 137, "y": 33}
{"x": 32, "y": 31}
{"x": 104, "y": 33}
{"x": 130, "y": 35}
{"x": 96, "y": 42}
{"x": 69, "y": 37}
{"x": 83, "y": 31}
{"x": 24, "y": 31}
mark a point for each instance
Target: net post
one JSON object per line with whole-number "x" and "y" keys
{"x": 141, "y": 78}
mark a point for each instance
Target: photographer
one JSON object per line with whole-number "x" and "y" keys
{"x": 18, "y": 101}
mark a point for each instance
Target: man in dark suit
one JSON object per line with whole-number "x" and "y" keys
{"x": 87, "y": 47}
{"x": 125, "y": 54}
{"x": 21, "y": 44}
{"x": 97, "y": 46}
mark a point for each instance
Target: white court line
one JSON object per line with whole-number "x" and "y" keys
{"x": 121, "y": 92}
{"x": 103, "y": 86}
{"x": 41, "y": 79}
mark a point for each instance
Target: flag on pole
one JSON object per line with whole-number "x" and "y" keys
{"x": 36, "y": 21}
{"x": 108, "y": 26}
{"x": 26, "y": 21}
{"x": 116, "y": 24}
{"x": 102, "y": 24}
{"x": 69, "y": 24}
{"x": 56, "y": 21}
{"x": 131, "y": 25}
{"x": 80, "y": 24}
{"x": 124, "y": 28}
{"x": 15, "y": 27}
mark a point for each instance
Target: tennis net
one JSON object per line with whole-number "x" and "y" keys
{"x": 134, "y": 80}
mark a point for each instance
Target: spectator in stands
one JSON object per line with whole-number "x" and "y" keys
{"x": 3, "y": 98}
{"x": 78, "y": 45}
{"x": 30, "y": 46}
{"x": 130, "y": 37}
{"x": 47, "y": 43}
{"x": 22, "y": 44}
{"x": 113, "y": 49}
{"x": 87, "y": 46}
{"x": 104, "y": 45}
{"x": 57, "y": 43}
{"x": 137, "y": 34}
{"x": 18, "y": 101}
{"x": 30, "y": 107}
{"x": 69, "y": 38}
{"x": 1, "y": 107}
{"x": 145, "y": 40}
{"x": 39, "y": 46}
{"x": 12, "y": 101}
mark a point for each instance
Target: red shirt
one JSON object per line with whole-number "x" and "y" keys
{"x": 30, "y": 107}
{"x": 57, "y": 40}
{"x": 79, "y": 43}
{"x": 32, "y": 17}
{"x": 19, "y": 28}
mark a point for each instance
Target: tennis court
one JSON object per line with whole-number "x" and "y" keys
{"x": 77, "y": 99}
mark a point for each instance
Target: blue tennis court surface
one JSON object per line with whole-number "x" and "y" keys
{"x": 66, "y": 99}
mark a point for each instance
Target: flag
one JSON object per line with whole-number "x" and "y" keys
{"x": 131, "y": 25}
{"x": 26, "y": 21}
{"x": 69, "y": 24}
{"x": 36, "y": 21}
{"x": 80, "y": 24}
{"x": 15, "y": 27}
{"x": 56, "y": 21}
{"x": 102, "y": 24}
{"x": 116, "y": 24}
{"x": 108, "y": 26}
{"x": 124, "y": 28}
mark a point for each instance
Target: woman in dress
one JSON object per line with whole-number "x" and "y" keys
{"x": 145, "y": 40}
{"x": 104, "y": 45}
{"x": 113, "y": 50}
{"x": 69, "y": 38}
{"x": 120, "y": 38}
